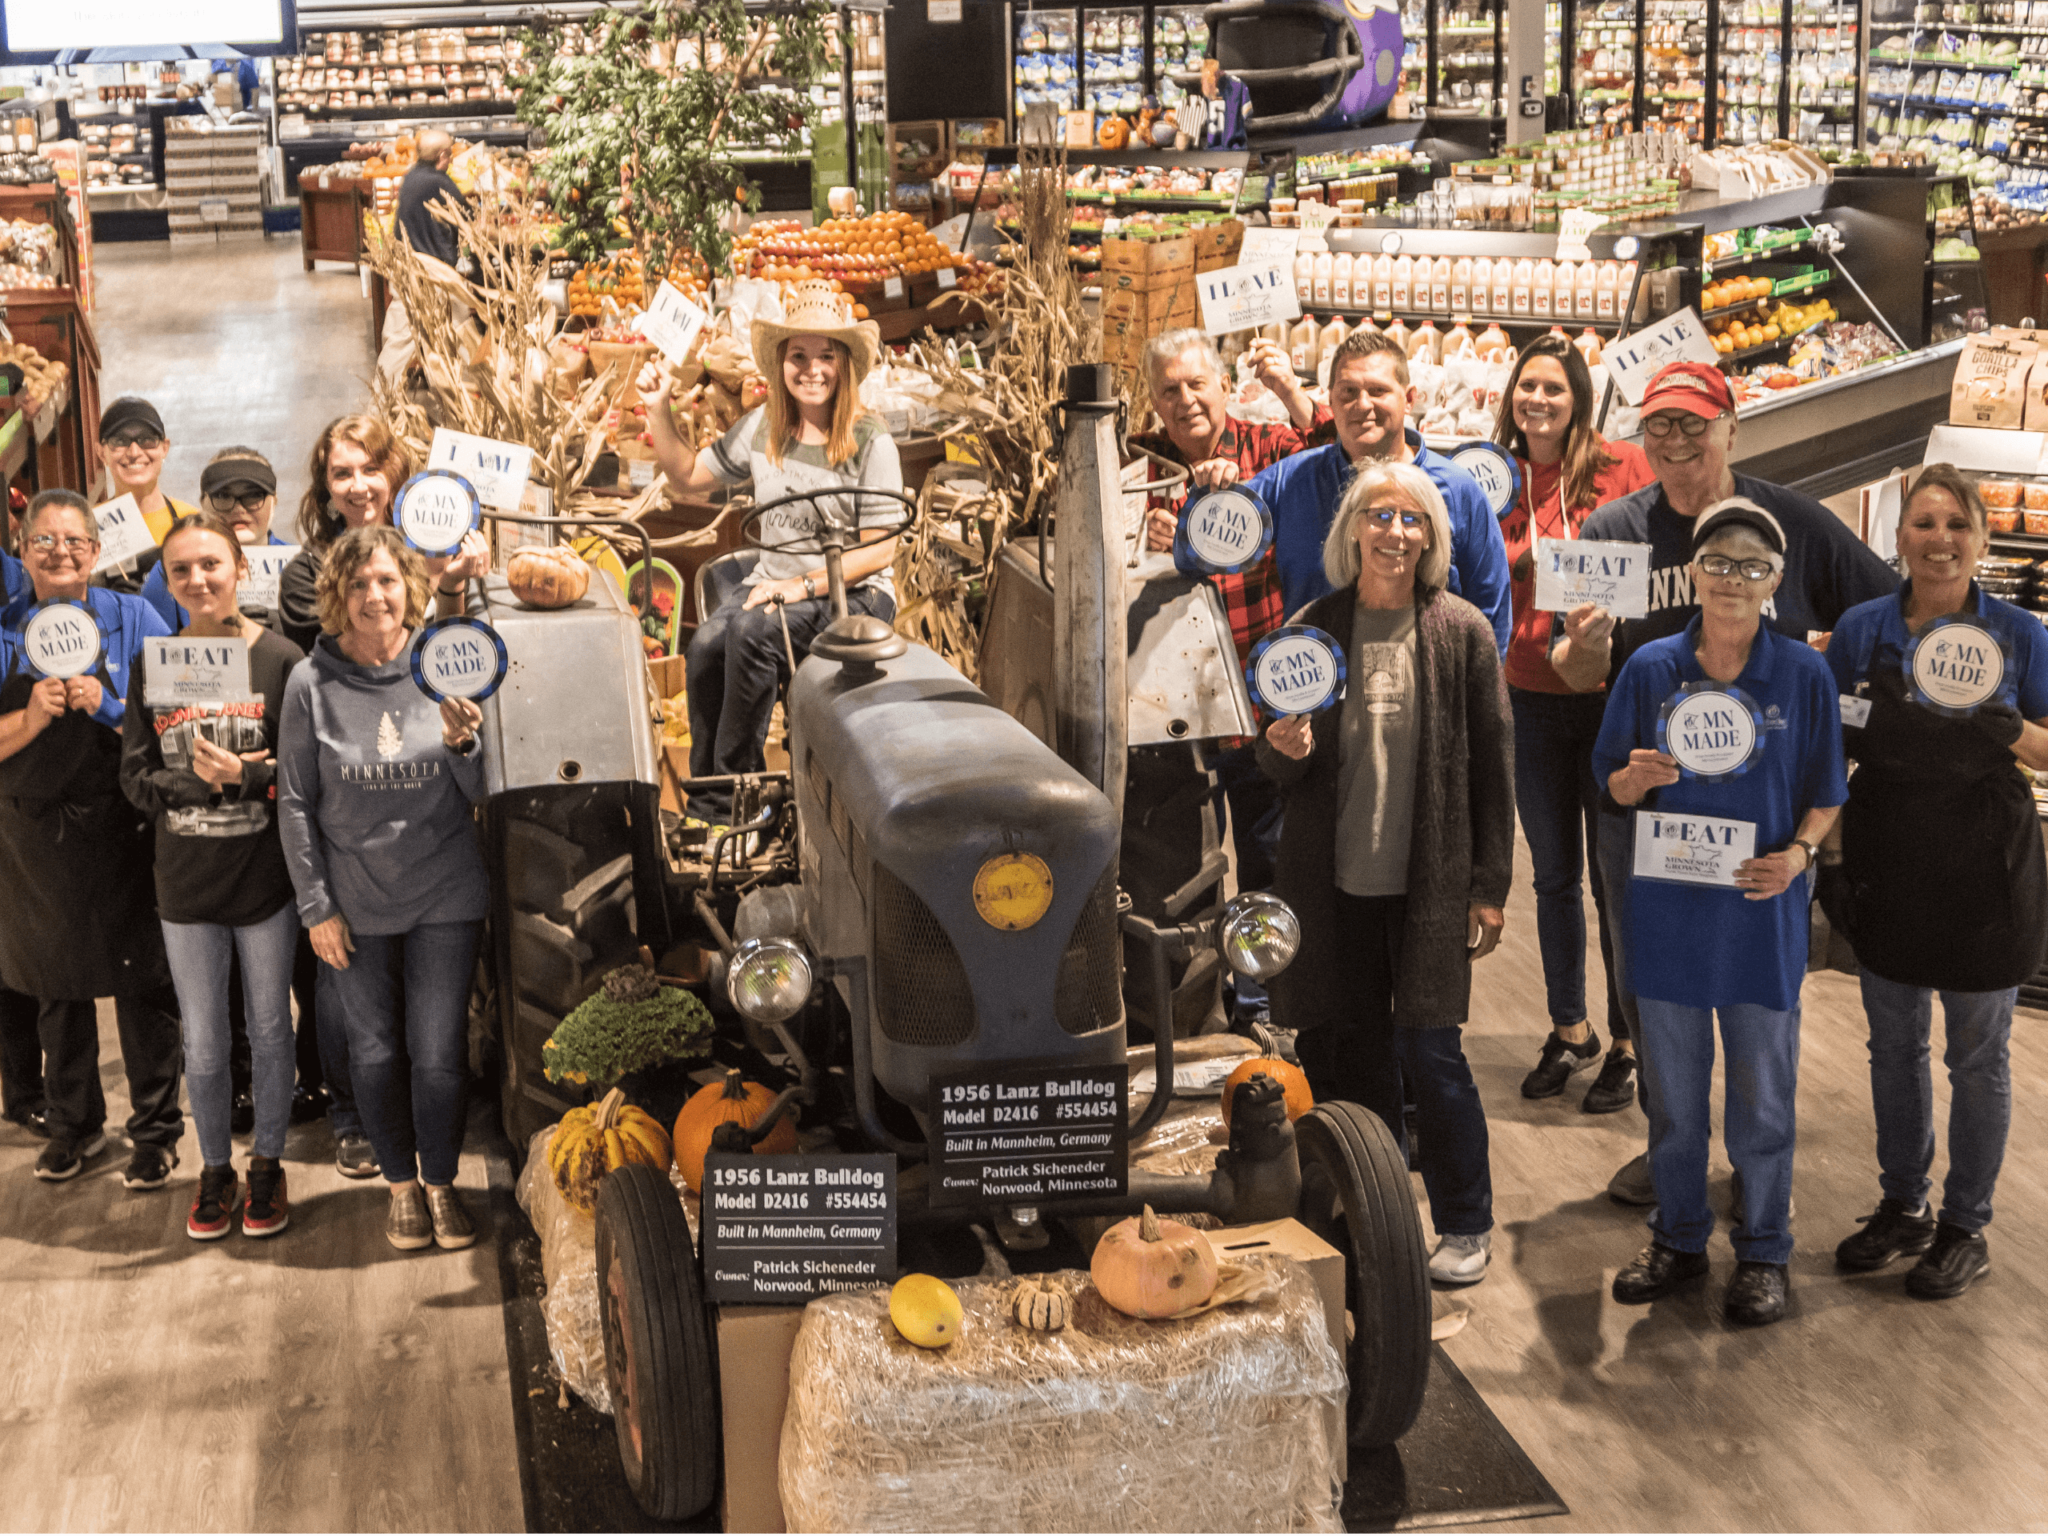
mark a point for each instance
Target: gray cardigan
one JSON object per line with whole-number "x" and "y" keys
{"x": 1463, "y": 848}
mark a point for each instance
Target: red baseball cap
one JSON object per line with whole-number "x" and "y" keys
{"x": 1700, "y": 388}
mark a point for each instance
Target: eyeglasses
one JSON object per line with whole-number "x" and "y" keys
{"x": 225, "y": 502}
{"x": 142, "y": 439}
{"x": 1748, "y": 570}
{"x": 1383, "y": 517}
{"x": 1685, "y": 421}
{"x": 45, "y": 543}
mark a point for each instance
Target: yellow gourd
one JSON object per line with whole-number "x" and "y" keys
{"x": 925, "y": 1311}
{"x": 592, "y": 1141}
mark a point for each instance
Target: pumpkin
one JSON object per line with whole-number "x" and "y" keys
{"x": 925, "y": 1310}
{"x": 1145, "y": 1267}
{"x": 1041, "y": 1307}
{"x": 732, "y": 1102}
{"x": 592, "y": 1141}
{"x": 547, "y": 576}
{"x": 1115, "y": 133}
{"x": 1291, "y": 1078}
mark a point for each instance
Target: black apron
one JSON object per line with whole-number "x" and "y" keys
{"x": 77, "y": 879}
{"x": 1943, "y": 879}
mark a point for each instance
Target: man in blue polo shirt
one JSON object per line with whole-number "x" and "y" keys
{"x": 1369, "y": 401}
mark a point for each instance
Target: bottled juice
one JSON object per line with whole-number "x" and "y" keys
{"x": 1404, "y": 282}
{"x": 1460, "y": 290}
{"x": 1325, "y": 268}
{"x": 1458, "y": 339}
{"x": 1340, "y": 280}
{"x": 1589, "y": 346}
{"x": 1327, "y": 342}
{"x": 1589, "y": 273}
{"x": 1503, "y": 286}
{"x": 1382, "y": 281}
{"x": 1521, "y": 291}
{"x": 1427, "y": 344}
{"x": 1604, "y": 282}
{"x": 1563, "y": 289}
{"x": 1397, "y": 333}
{"x": 1624, "y": 285}
{"x": 1305, "y": 276}
{"x": 1440, "y": 285}
{"x": 1493, "y": 344}
{"x": 1541, "y": 290}
{"x": 1482, "y": 286}
{"x": 1301, "y": 344}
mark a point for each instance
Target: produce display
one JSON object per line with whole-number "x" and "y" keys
{"x": 735, "y": 1101}
{"x": 618, "y": 281}
{"x": 42, "y": 379}
{"x": 592, "y": 1141}
{"x": 858, "y": 257}
{"x": 28, "y": 255}
{"x": 1041, "y": 1305}
{"x": 547, "y": 576}
{"x": 427, "y": 66}
{"x": 631, "y": 1021}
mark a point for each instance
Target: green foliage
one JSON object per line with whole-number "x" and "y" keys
{"x": 640, "y": 133}
{"x": 602, "y": 1040}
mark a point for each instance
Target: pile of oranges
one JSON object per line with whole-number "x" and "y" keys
{"x": 1734, "y": 290}
{"x": 849, "y": 252}
{"x": 1751, "y": 327}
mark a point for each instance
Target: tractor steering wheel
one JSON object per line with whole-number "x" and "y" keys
{"x": 811, "y": 544}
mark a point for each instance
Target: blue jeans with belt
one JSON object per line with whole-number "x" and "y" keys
{"x": 1978, "y": 1030}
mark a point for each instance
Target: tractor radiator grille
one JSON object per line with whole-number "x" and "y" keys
{"x": 1088, "y": 994}
{"x": 921, "y": 989}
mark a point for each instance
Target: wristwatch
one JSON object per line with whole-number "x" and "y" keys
{"x": 1812, "y": 853}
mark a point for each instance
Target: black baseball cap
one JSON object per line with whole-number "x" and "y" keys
{"x": 130, "y": 411}
{"x": 1738, "y": 511}
{"x": 226, "y": 474}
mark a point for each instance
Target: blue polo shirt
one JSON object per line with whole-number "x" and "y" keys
{"x": 1303, "y": 491}
{"x": 1710, "y": 946}
{"x": 14, "y": 576}
{"x": 157, "y": 593}
{"x": 125, "y": 622}
{"x": 1872, "y": 637}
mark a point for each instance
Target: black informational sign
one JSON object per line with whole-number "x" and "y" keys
{"x": 1018, "y": 1135}
{"x": 781, "y": 1229}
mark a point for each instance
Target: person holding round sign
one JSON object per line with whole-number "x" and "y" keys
{"x": 79, "y": 919}
{"x": 1723, "y": 744}
{"x": 1944, "y": 690}
{"x": 1397, "y": 848}
{"x": 375, "y": 781}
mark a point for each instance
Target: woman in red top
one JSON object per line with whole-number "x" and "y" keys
{"x": 1567, "y": 469}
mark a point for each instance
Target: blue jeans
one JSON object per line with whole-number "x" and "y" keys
{"x": 1558, "y": 800}
{"x": 200, "y": 955}
{"x": 1978, "y": 1028}
{"x": 1759, "y": 1121}
{"x": 330, "y": 1032}
{"x": 406, "y": 995}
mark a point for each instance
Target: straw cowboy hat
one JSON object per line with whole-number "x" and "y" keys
{"x": 816, "y": 308}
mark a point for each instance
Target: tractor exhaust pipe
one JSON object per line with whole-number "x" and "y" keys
{"x": 1090, "y": 639}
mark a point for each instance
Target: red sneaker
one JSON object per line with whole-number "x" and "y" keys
{"x": 213, "y": 1206}
{"x": 266, "y": 1212}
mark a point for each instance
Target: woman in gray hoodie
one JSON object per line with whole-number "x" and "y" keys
{"x": 374, "y": 788}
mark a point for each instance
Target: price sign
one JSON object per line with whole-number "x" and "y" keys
{"x": 459, "y": 658}
{"x": 1226, "y": 530}
{"x": 1295, "y": 670}
{"x": 946, "y": 279}
{"x": 124, "y": 535}
{"x": 1954, "y": 665}
{"x": 497, "y": 470}
{"x": 1018, "y": 1135}
{"x": 213, "y": 209}
{"x": 1570, "y": 572}
{"x": 1633, "y": 360}
{"x": 1713, "y": 730}
{"x": 1495, "y": 470}
{"x": 61, "y": 638}
{"x": 259, "y": 590}
{"x": 185, "y": 670}
{"x": 892, "y": 287}
{"x": 781, "y": 1229}
{"x": 1247, "y": 296}
{"x": 672, "y": 322}
{"x": 435, "y": 508}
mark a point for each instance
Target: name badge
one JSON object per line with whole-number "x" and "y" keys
{"x": 1499, "y": 477}
{"x": 1691, "y": 850}
{"x": 434, "y": 509}
{"x": 1226, "y": 531}
{"x": 259, "y": 589}
{"x": 459, "y": 658}
{"x": 1954, "y": 665}
{"x": 1573, "y": 571}
{"x": 1296, "y": 670}
{"x": 184, "y": 670}
{"x": 62, "y": 639}
{"x": 1714, "y": 731}
{"x": 1855, "y": 711}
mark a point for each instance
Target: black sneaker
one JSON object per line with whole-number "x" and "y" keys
{"x": 355, "y": 1157}
{"x": 1657, "y": 1271}
{"x": 1614, "y": 1089}
{"x": 213, "y": 1204}
{"x": 1890, "y": 1232}
{"x": 149, "y": 1167}
{"x": 267, "y": 1211}
{"x": 1557, "y": 1064}
{"x": 1757, "y": 1293}
{"x": 1956, "y": 1261}
{"x": 308, "y": 1105}
{"x": 35, "y": 1121}
{"x": 62, "y": 1160}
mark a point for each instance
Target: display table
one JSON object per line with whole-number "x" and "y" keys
{"x": 331, "y": 220}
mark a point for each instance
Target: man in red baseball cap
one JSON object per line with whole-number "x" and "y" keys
{"x": 1688, "y": 417}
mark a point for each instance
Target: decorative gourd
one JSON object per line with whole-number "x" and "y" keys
{"x": 592, "y": 1141}
{"x": 547, "y": 576}
{"x": 1114, "y": 133}
{"x": 732, "y": 1102}
{"x": 1291, "y": 1079}
{"x": 1040, "y": 1307}
{"x": 925, "y": 1310}
{"x": 1146, "y": 1267}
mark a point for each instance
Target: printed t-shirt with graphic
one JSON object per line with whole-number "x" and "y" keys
{"x": 1376, "y": 754}
{"x": 1540, "y": 513}
{"x": 742, "y": 455}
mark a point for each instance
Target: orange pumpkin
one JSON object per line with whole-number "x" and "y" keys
{"x": 732, "y": 1102}
{"x": 592, "y": 1141}
{"x": 1291, "y": 1078}
{"x": 547, "y": 576}
{"x": 1115, "y": 133}
{"x": 1146, "y": 1267}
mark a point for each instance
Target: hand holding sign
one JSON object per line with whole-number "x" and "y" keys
{"x": 1293, "y": 737}
{"x": 62, "y": 639}
{"x": 672, "y": 323}
{"x": 459, "y": 720}
{"x": 1296, "y": 670}
{"x": 1954, "y": 666}
{"x": 434, "y": 509}
{"x": 1714, "y": 731}
{"x": 1225, "y": 531}
{"x": 461, "y": 659}
{"x": 1577, "y": 573}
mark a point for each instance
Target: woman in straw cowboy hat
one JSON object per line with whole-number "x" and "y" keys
{"x": 810, "y": 434}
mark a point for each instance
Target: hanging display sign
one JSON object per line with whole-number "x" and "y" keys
{"x": 1226, "y": 531}
{"x": 1248, "y": 296}
{"x": 1955, "y": 665}
{"x": 459, "y": 658}
{"x": 434, "y": 509}
{"x": 782, "y": 1228}
{"x": 1296, "y": 670}
{"x": 1018, "y": 1135}
{"x": 1713, "y": 731}
{"x": 1573, "y": 572}
{"x": 62, "y": 639}
{"x": 1500, "y": 479}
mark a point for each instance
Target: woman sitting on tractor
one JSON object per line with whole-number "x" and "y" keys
{"x": 810, "y": 435}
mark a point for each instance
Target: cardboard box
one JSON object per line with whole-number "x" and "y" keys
{"x": 1223, "y": 238}
{"x": 1148, "y": 281}
{"x": 1214, "y": 263}
{"x": 1174, "y": 255}
{"x": 1158, "y": 307}
{"x": 1325, "y": 1264}
{"x": 753, "y": 1389}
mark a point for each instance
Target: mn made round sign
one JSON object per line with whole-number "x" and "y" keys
{"x": 1495, "y": 470}
{"x": 1714, "y": 731}
{"x": 61, "y": 639}
{"x": 459, "y": 658}
{"x": 1227, "y": 530}
{"x": 434, "y": 509}
{"x": 1295, "y": 670}
{"x": 1954, "y": 665}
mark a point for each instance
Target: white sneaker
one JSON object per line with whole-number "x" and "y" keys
{"x": 1461, "y": 1260}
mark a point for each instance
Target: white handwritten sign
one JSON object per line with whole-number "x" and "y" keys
{"x": 496, "y": 469}
{"x": 1264, "y": 245}
{"x": 1693, "y": 850}
{"x": 259, "y": 588}
{"x": 459, "y": 658}
{"x": 188, "y": 669}
{"x": 1246, "y": 296}
{"x": 1634, "y": 359}
{"x": 1955, "y": 666}
{"x": 671, "y": 323}
{"x": 1574, "y": 571}
{"x": 124, "y": 535}
{"x": 434, "y": 509}
{"x": 61, "y": 639}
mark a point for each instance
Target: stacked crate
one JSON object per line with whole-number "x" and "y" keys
{"x": 1148, "y": 286}
{"x": 213, "y": 178}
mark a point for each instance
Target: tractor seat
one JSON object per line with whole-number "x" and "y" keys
{"x": 719, "y": 578}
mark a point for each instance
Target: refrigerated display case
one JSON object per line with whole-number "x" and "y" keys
{"x": 1675, "y": 65}
{"x": 1113, "y": 60}
{"x": 1826, "y": 41}
{"x": 1180, "y": 35}
{"x": 1752, "y": 71}
{"x": 1469, "y": 42}
{"x": 1606, "y": 61}
{"x": 1043, "y": 67}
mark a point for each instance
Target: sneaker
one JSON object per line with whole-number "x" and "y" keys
{"x": 452, "y": 1228}
{"x": 1631, "y": 1185}
{"x": 354, "y": 1156}
{"x": 267, "y": 1212}
{"x": 149, "y": 1167}
{"x": 1615, "y": 1088}
{"x": 213, "y": 1205}
{"x": 61, "y": 1160}
{"x": 1461, "y": 1260}
{"x": 1556, "y": 1065}
{"x": 1890, "y": 1232}
{"x": 1955, "y": 1261}
{"x": 1757, "y": 1294}
{"x": 35, "y": 1121}
{"x": 1657, "y": 1271}
{"x": 408, "y": 1225}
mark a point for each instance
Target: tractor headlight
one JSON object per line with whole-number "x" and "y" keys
{"x": 1258, "y": 934}
{"x": 769, "y": 979}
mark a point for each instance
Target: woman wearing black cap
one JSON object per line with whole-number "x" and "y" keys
{"x": 239, "y": 487}
{"x": 133, "y": 446}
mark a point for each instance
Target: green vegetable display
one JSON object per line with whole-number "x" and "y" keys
{"x": 628, "y": 1023}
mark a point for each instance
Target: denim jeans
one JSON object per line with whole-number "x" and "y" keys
{"x": 330, "y": 1032}
{"x": 1978, "y": 1029}
{"x": 406, "y": 996}
{"x": 200, "y": 956}
{"x": 1558, "y": 800}
{"x": 1759, "y": 1121}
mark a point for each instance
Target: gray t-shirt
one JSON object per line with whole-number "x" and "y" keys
{"x": 742, "y": 455}
{"x": 1376, "y": 755}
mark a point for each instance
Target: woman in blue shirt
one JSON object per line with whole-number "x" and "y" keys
{"x": 1944, "y": 885}
{"x": 1725, "y": 743}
